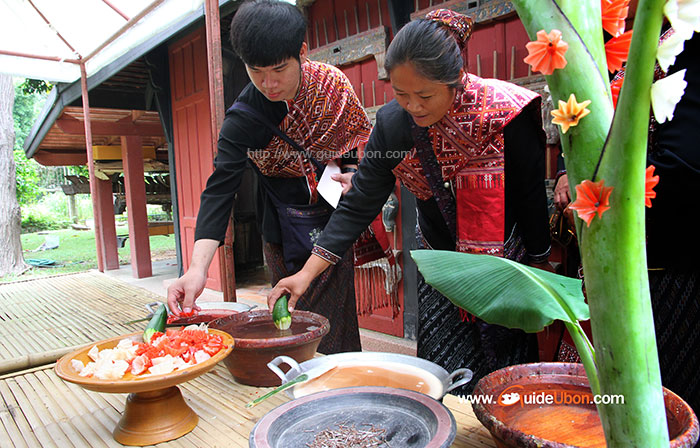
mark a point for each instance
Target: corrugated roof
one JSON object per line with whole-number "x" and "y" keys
{"x": 64, "y": 94}
{"x": 45, "y": 39}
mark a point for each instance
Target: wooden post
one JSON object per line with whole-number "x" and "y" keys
{"x": 347, "y": 26}
{"x": 72, "y": 209}
{"x": 132, "y": 159}
{"x": 107, "y": 257}
{"x": 318, "y": 39}
{"x": 105, "y": 215}
{"x": 325, "y": 31}
{"x": 216, "y": 106}
{"x": 374, "y": 94}
{"x": 357, "y": 21}
{"x": 368, "y": 16}
{"x": 495, "y": 64}
{"x": 478, "y": 65}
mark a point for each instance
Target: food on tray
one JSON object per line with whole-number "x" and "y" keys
{"x": 176, "y": 349}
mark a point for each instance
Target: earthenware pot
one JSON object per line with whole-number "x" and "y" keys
{"x": 257, "y": 342}
{"x": 521, "y": 415}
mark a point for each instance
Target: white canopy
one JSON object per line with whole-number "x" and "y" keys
{"x": 46, "y": 39}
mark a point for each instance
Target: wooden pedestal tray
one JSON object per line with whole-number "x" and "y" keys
{"x": 155, "y": 410}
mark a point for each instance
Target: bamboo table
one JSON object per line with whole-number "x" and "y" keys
{"x": 38, "y": 409}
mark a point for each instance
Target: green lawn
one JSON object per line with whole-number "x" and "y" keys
{"x": 77, "y": 251}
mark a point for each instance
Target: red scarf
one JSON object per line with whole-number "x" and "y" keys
{"x": 325, "y": 118}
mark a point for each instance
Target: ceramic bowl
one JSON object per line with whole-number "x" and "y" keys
{"x": 521, "y": 416}
{"x": 253, "y": 348}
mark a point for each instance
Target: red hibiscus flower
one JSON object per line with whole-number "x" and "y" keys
{"x": 591, "y": 198}
{"x": 649, "y": 184}
{"x": 546, "y": 54}
{"x": 616, "y": 51}
{"x": 614, "y": 13}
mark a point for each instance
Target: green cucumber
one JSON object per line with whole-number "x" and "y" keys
{"x": 157, "y": 323}
{"x": 280, "y": 314}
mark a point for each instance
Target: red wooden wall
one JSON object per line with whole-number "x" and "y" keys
{"x": 193, "y": 146}
{"x": 363, "y": 75}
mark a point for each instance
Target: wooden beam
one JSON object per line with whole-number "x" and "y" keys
{"x": 132, "y": 157}
{"x": 47, "y": 158}
{"x": 73, "y": 126}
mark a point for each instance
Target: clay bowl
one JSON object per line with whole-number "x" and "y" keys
{"x": 257, "y": 342}
{"x": 571, "y": 420}
{"x": 155, "y": 410}
{"x": 210, "y": 311}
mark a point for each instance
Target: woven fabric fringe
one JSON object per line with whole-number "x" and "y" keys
{"x": 370, "y": 298}
{"x": 374, "y": 258}
{"x": 331, "y": 294}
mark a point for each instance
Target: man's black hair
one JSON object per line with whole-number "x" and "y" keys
{"x": 266, "y": 32}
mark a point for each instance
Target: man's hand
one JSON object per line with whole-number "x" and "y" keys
{"x": 345, "y": 180}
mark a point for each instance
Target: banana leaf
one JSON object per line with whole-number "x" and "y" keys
{"x": 501, "y": 291}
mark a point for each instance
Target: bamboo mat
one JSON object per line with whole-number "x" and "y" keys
{"x": 42, "y": 319}
{"x": 38, "y": 409}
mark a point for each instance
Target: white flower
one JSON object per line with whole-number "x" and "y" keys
{"x": 672, "y": 47}
{"x": 665, "y": 94}
{"x": 684, "y": 15}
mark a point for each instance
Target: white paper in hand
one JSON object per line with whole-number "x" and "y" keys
{"x": 330, "y": 189}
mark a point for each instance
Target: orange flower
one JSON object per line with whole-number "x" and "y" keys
{"x": 616, "y": 51}
{"x": 570, "y": 113}
{"x": 614, "y": 15}
{"x": 649, "y": 184}
{"x": 591, "y": 198}
{"x": 546, "y": 54}
{"x": 615, "y": 87}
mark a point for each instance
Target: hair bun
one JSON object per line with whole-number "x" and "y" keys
{"x": 460, "y": 26}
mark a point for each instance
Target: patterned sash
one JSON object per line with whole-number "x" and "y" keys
{"x": 468, "y": 146}
{"x": 325, "y": 118}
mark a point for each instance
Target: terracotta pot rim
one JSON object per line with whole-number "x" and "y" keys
{"x": 502, "y": 432}
{"x": 272, "y": 343}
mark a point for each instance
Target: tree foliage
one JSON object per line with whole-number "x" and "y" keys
{"x": 29, "y": 97}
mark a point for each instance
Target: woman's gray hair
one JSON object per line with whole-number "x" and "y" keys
{"x": 430, "y": 48}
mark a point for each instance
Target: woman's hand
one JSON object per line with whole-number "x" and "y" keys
{"x": 561, "y": 192}
{"x": 294, "y": 285}
{"x": 345, "y": 180}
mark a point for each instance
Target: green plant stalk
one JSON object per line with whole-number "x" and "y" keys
{"x": 612, "y": 248}
{"x": 582, "y": 76}
{"x": 587, "y": 21}
{"x": 614, "y": 258}
{"x": 585, "y": 351}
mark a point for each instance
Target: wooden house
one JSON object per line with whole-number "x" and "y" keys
{"x": 159, "y": 95}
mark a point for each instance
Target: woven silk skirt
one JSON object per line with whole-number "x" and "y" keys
{"x": 332, "y": 295}
{"x": 451, "y": 342}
